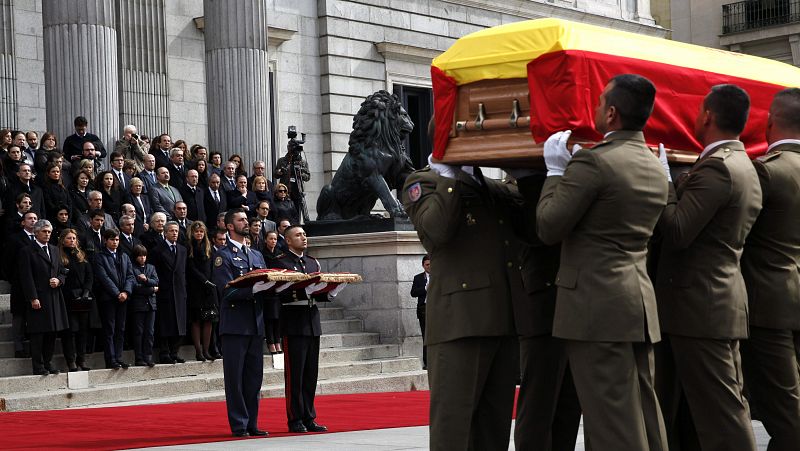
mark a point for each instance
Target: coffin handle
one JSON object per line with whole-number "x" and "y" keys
{"x": 515, "y": 112}
{"x": 481, "y": 117}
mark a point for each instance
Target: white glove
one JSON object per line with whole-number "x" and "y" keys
{"x": 283, "y": 286}
{"x": 556, "y": 155}
{"x": 445, "y": 170}
{"x": 662, "y": 157}
{"x": 314, "y": 287}
{"x": 262, "y": 286}
{"x": 332, "y": 294}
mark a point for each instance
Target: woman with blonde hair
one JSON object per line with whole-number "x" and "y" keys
{"x": 77, "y": 291}
{"x": 201, "y": 292}
{"x": 283, "y": 206}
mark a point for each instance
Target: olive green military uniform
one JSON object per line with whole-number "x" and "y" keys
{"x": 603, "y": 210}
{"x": 548, "y": 411}
{"x": 770, "y": 268}
{"x": 702, "y": 299}
{"x": 465, "y": 225}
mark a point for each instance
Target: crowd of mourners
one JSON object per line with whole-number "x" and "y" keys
{"x": 142, "y": 231}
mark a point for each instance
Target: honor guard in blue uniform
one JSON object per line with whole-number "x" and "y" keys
{"x": 241, "y": 326}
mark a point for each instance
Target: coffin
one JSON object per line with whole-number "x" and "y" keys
{"x": 500, "y": 92}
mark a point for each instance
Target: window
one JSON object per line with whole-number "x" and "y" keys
{"x": 418, "y": 102}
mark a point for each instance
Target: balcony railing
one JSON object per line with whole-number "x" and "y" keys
{"x": 754, "y": 14}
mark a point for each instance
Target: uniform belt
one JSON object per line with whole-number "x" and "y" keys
{"x": 309, "y": 303}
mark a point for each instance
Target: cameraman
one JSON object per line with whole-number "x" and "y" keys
{"x": 288, "y": 168}
{"x": 132, "y": 147}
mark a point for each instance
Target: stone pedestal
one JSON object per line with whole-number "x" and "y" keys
{"x": 80, "y": 54}
{"x": 388, "y": 262}
{"x": 237, "y": 77}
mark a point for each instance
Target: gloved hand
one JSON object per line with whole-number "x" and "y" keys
{"x": 86, "y": 295}
{"x": 314, "y": 287}
{"x": 332, "y": 294}
{"x": 262, "y": 286}
{"x": 556, "y": 155}
{"x": 662, "y": 157}
{"x": 445, "y": 170}
{"x": 283, "y": 286}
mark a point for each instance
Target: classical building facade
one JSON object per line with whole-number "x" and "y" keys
{"x": 766, "y": 28}
{"x": 234, "y": 74}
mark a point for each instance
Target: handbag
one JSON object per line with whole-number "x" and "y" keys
{"x": 209, "y": 313}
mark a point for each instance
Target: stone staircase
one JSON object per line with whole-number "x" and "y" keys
{"x": 351, "y": 361}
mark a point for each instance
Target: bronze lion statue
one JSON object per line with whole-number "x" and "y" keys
{"x": 375, "y": 164}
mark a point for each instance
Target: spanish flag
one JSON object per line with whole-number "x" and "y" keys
{"x": 567, "y": 65}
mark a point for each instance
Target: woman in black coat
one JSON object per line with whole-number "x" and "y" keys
{"x": 113, "y": 196}
{"x": 54, "y": 193}
{"x": 201, "y": 291}
{"x": 77, "y": 291}
{"x": 142, "y": 307}
{"x": 283, "y": 207}
{"x": 79, "y": 193}
{"x": 272, "y": 305}
{"x": 42, "y": 276}
{"x": 61, "y": 224}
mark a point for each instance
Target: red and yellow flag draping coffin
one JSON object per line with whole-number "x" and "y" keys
{"x": 484, "y": 115}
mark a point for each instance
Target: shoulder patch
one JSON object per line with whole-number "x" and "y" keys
{"x": 414, "y": 192}
{"x": 218, "y": 261}
{"x": 769, "y": 156}
{"x": 722, "y": 153}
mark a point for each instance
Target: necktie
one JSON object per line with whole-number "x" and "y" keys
{"x": 141, "y": 205}
{"x": 172, "y": 248}
{"x": 121, "y": 179}
{"x": 244, "y": 249}
{"x": 216, "y": 196}
{"x": 31, "y": 237}
{"x": 232, "y": 183}
{"x": 152, "y": 177}
{"x": 46, "y": 251}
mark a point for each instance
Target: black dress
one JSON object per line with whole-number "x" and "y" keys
{"x": 199, "y": 294}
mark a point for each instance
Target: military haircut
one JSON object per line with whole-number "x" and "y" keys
{"x": 730, "y": 105}
{"x": 785, "y": 110}
{"x": 291, "y": 227}
{"x": 633, "y": 97}
{"x": 229, "y": 214}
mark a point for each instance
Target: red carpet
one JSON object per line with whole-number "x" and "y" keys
{"x": 173, "y": 424}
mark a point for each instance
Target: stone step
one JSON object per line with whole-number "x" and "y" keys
{"x": 5, "y": 287}
{"x": 11, "y": 367}
{"x": 339, "y": 326}
{"x": 211, "y": 386}
{"x": 326, "y": 341}
{"x": 5, "y": 332}
{"x": 331, "y": 313}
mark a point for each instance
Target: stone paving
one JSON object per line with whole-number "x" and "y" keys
{"x": 405, "y": 439}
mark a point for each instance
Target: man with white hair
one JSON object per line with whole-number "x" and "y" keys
{"x": 131, "y": 146}
{"x": 95, "y": 203}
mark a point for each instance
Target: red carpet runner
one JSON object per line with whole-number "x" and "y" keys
{"x": 200, "y": 422}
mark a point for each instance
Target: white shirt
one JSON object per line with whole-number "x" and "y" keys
{"x": 783, "y": 141}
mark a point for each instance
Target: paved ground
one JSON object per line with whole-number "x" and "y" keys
{"x": 405, "y": 439}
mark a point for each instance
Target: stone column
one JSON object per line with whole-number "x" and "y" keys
{"x": 237, "y": 77}
{"x": 8, "y": 75}
{"x": 794, "y": 43}
{"x": 142, "y": 53}
{"x": 80, "y": 66}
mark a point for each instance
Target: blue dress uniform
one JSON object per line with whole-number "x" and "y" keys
{"x": 301, "y": 329}
{"x": 241, "y": 326}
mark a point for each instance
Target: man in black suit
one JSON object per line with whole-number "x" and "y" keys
{"x": 242, "y": 326}
{"x": 138, "y": 225}
{"x": 127, "y": 236}
{"x": 114, "y": 282}
{"x": 23, "y": 183}
{"x": 160, "y": 150}
{"x": 15, "y": 244}
{"x": 13, "y": 220}
{"x": 177, "y": 171}
{"x": 73, "y": 145}
{"x": 42, "y": 275}
{"x": 262, "y": 213}
{"x": 92, "y": 236}
{"x": 169, "y": 258}
{"x": 419, "y": 290}
{"x": 194, "y": 196}
{"x": 301, "y": 329}
{"x": 117, "y": 161}
{"x": 95, "y": 203}
{"x": 148, "y": 175}
{"x": 145, "y": 204}
{"x": 214, "y": 200}
{"x": 228, "y": 179}
{"x": 179, "y": 216}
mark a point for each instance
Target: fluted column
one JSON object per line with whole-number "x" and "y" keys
{"x": 144, "y": 85}
{"x": 80, "y": 65}
{"x": 8, "y": 67}
{"x": 237, "y": 76}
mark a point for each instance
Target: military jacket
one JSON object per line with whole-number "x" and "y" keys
{"x": 303, "y": 319}
{"x": 240, "y": 312}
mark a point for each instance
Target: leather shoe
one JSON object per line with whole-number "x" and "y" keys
{"x": 167, "y": 360}
{"x": 216, "y": 356}
{"x": 257, "y": 433}
{"x": 139, "y": 363}
{"x": 84, "y": 368}
{"x": 113, "y": 366}
{"x": 51, "y": 370}
{"x": 312, "y": 426}
{"x": 123, "y": 364}
{"x": 241, "y": 434}
{"x": 40, "y": 372}
{"x": 178, "y": 360}
{"x": 298, "y": 428}
{"x": 150, "y": 363}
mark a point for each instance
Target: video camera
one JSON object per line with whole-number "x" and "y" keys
{"x": 295, "y": 145}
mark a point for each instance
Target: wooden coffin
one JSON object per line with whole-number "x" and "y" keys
{"x": 491, "y": 128}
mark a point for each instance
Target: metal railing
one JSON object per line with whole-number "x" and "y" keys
{"x": 755, "y": 14}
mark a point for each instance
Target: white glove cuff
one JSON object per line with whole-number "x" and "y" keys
{"x": 555, "y": 172}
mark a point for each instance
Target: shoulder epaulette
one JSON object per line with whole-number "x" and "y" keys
{"x": 769, "y": 156}
{"x": 722, "y": 153}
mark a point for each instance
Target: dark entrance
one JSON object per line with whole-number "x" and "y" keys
{"x": 419, "y": 104}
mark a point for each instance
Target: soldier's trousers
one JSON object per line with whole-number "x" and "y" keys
{"x": 614, "y": 382}
{"x": 548, "y": 410}
{"x": 301, "y": 368}
{"x": 472, "y": 382}
{"x": 709, "y": 373}
{"x": 243, "y": 368}
{"x": 769, "y": 361}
